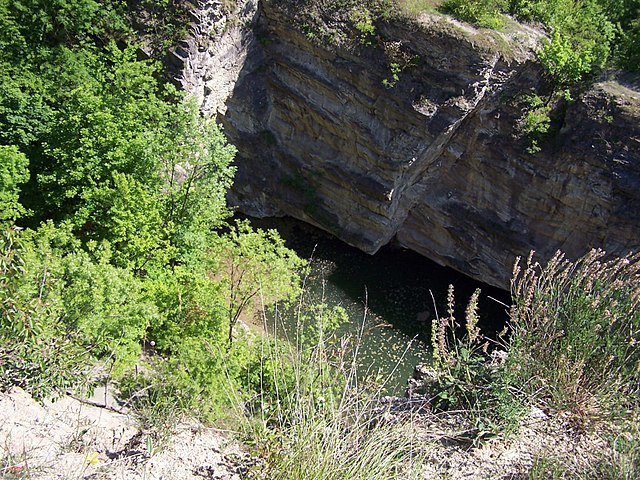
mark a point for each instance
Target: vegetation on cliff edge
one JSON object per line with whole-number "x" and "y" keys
{"x": 584, "y": 36}
{"x": 116, "y": 239}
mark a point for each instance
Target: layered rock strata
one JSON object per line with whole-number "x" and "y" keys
{"x": 414, "y": 138}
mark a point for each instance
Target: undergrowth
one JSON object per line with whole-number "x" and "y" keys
{"x": 569, "y": 349}
{"x": 467, "y": 377}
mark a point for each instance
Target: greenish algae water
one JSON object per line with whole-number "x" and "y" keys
{"x": 389, "y": 298}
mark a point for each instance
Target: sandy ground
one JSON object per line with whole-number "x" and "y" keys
{"x": 72, "y": 439}
{"x": 449, "y": 448}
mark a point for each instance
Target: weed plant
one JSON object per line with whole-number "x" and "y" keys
{"x": 574, "y": 329}
{"x": 466, "y": 378}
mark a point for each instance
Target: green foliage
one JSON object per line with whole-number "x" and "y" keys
{"x": 575, "y": 327}
{"x": 395, "y": 76}
{"x": 339, "y": 23}
{"x": 51, "y": 22}
{"x": 61, "y": 309}
{"x": 257, "y": 266}
{"x": 125, "y": 213}
{"x": 572, "y": 347}
{"x": 13, "y": 172}
{"x": 125, "y": 190}
{"x": 34, "y": 351}
{"x": 629, "y": 50}
{"x": 198, "y": 379}
{"x": 581, "y": 41}
{"x": 269, "y": 381}
{"x": 163, "y": 22}
{"x": 363, "y": 21}
{"x": 193, "y": 307}
{"x": 95, "y": 123}
{"x": 200, "y": 302}
{"x": 583, "y": 35}
{"x": 399, "y": 59}
{"x": 563, "y": 62}
{"x": 465, "y": 378}
{"x": 535, "y": 122}
{"x": 483, "y": 13}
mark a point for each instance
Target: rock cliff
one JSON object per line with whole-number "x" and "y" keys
{"x": 410, "y": 135}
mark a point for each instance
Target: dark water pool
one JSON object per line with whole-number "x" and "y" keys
{"x": 397, "y": 287}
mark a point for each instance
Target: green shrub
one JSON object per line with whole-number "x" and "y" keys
{"x": 199, "y": 379}
{"x": 257, "y": 266}
{"x": 535, "y": 122}
{"x": 363, "y": 22}
{"x": 483, "y": 13}
{"x": 583, "y": 35}
{"x": 629, "y": 51}
{"x": 62, "y": 311}
{"x": 13, "y": 172}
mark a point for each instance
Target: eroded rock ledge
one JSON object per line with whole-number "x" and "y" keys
{"x": 431, "y": 161}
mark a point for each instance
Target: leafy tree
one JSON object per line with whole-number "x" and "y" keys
{"x": 119, "y": 186}
{"x": 629, "y": 52}
{"x": 581, "y": 41}
{"x": 196, "y": 176}
{"x": 125, "y": 184}
{"x": 257, "y": 262}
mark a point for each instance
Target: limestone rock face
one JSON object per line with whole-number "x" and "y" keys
{"x": 414, "y": 139}
{"x": 493, "y": 201}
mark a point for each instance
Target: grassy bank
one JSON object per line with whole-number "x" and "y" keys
{"x": 569, "y": 352}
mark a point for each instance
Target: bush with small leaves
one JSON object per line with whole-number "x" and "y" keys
{"x": 13, "y": 173}
{"x": 483, "y": 13}
{"x": 535, "y": 122}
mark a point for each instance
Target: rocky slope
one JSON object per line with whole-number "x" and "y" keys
{"x": 410, "y": 135}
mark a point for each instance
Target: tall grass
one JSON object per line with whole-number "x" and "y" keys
{"x": 313, "y": 418}
{"x": 575, "y": 332}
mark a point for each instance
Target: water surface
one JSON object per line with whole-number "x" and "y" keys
{"x": 396, "y": 286}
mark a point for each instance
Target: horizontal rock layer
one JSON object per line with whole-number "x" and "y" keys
{"x": 432, "y": 159}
